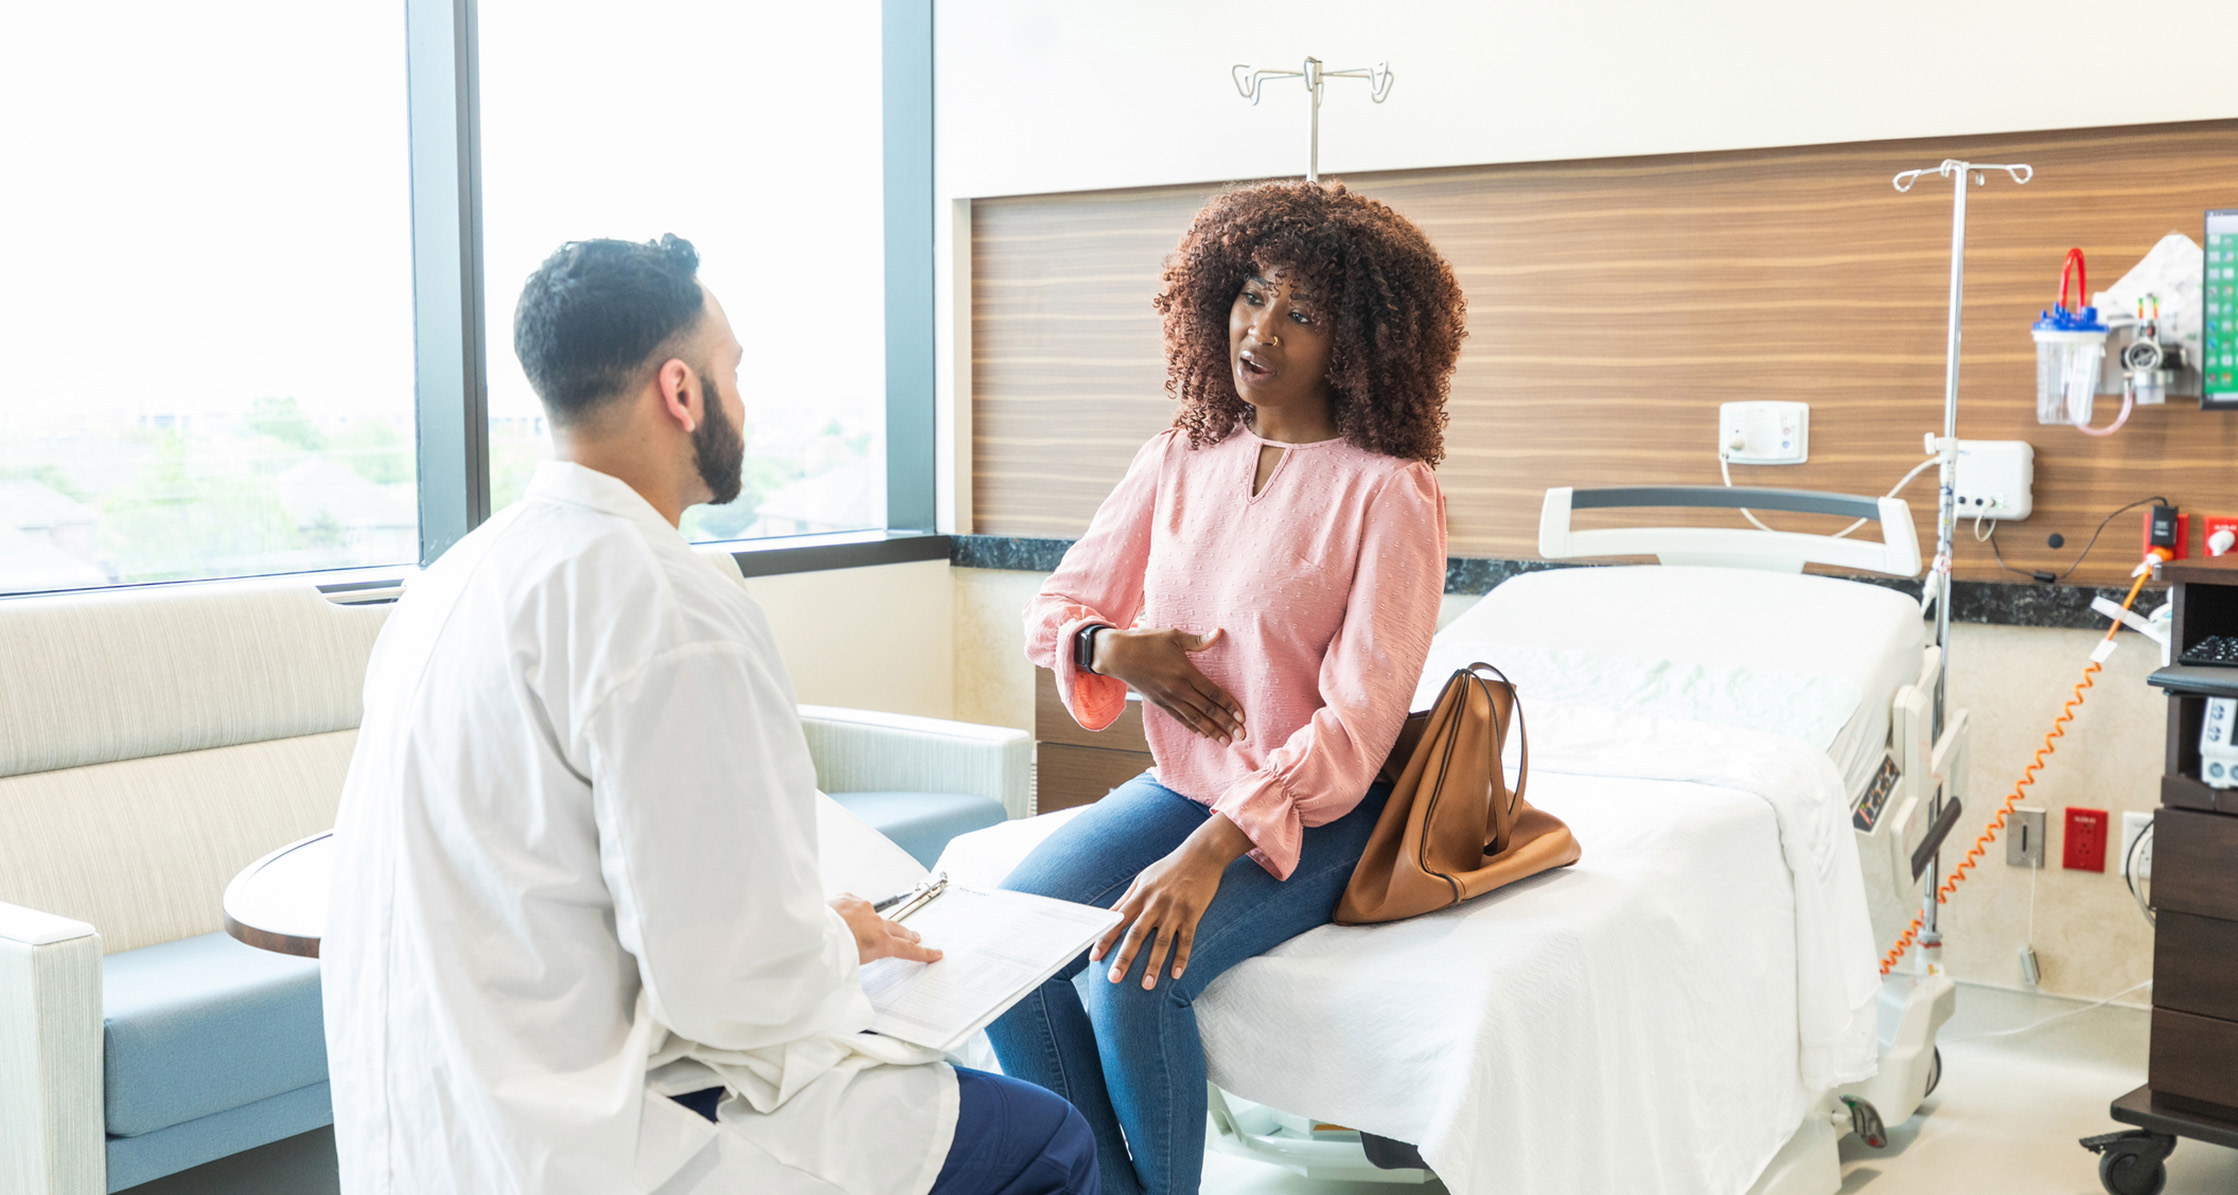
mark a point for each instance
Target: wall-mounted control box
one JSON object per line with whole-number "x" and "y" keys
{"x": 1995, "y": 479}
{"x": 1764, "y": 433}
{"x": 2024, "y": 837}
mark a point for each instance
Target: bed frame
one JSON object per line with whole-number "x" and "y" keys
{"x": 1906, "y": 827}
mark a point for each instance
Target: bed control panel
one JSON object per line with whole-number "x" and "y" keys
{"x": 1866, "y": 814}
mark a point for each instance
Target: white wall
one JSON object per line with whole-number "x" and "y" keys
{"x": 878, "y": 638}
{"x": 1053, "y": 95}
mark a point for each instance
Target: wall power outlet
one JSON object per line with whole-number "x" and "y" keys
{"x": 2084, "y": 841}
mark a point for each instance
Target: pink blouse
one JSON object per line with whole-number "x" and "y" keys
{"x": 1326, "y": 584}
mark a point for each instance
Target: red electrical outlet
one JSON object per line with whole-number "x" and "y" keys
{"x": 2181, "y": 547}
{"x": 2218, "y": 523}
{"x": 2084, "y": 845}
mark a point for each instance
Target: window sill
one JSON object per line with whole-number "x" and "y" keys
{"x": 756, "y": 558}
{"x": 818, "y": 553}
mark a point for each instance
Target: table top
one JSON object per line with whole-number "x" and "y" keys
{"x": 2209, "y": 570}
{"x": 278, "y": 903}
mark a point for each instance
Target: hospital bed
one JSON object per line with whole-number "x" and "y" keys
{"x": 1693, "y": 1007}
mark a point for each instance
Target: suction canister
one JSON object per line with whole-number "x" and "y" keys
{"x": 2070, "y": 346}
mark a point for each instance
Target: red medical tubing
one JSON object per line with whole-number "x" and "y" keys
{"x": 2082, "y": 279}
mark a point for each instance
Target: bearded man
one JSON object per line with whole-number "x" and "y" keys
{"x": 576, "y": 938}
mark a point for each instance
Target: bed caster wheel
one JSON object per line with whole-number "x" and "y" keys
{"x": 1934, "y": 1074}
{"x": 2132, "y": 1163}
{"x": 1865, "y": 1121}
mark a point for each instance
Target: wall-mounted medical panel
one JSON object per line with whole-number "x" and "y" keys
{"x": 1615, "y": 304}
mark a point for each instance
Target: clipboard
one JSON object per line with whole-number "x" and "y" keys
{"x": 997, "y": 946}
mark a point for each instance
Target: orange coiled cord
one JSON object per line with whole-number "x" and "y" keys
{"x": 1980, "y": 848}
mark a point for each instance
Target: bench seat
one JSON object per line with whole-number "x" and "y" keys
{"x": 208, "y": 1046}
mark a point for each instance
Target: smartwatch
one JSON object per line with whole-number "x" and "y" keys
{"x": 1084, "y": 647}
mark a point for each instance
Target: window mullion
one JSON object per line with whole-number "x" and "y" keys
{"x": 452, "y": 378}
{"x": 907, "y": 36}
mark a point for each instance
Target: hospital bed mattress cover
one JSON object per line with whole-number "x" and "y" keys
{"x": 1647, "y": 1019}
{"x": 1868, "y": 635}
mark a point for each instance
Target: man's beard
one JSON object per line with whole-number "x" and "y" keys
{"x": 718, "y": 450}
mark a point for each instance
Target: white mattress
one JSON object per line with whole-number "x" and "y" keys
{"x": 1649, "y": 1019}
{"x": 1864, "y": 634}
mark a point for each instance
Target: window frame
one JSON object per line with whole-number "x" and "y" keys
{"x": 451, "y": 341}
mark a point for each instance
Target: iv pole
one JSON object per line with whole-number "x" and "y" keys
{"x": 1248, "y": 79}
{"x": 1946, "y": 512}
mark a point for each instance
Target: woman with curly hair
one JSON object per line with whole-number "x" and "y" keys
{"x": 1267, "y": 577}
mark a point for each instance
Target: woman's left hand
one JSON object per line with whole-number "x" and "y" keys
{"x": 1162, "y": 907}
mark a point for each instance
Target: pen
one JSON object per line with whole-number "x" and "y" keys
{"x": 913, "y": 899}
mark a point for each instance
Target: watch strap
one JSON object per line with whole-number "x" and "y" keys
{"x": 1084, "y": 647}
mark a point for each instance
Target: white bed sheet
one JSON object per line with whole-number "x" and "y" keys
{"x": 1865, "y": 634}
{"x": 1636, "y": 1022}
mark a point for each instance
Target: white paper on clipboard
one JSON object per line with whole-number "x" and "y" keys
{"x": 996, "y": 947}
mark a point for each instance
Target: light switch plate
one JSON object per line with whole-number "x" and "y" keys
{"x": 1764, "y": 433}
{"x": 1994, "y": 479}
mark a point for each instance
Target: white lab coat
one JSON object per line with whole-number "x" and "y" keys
{"x": 577, "y": 843}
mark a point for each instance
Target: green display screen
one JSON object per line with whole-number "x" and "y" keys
{"x": 2219, "y": 287}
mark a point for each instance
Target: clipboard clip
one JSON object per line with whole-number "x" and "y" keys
{"x": 914, "y": 899}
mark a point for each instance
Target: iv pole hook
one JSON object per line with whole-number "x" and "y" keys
{"x": 1249, "y": 81}
{"x": 2021, "y": 172}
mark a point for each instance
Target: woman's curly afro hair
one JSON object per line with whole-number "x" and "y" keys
{"x": 1398, "y": 314}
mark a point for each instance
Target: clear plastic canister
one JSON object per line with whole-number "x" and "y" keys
{"x": 2067, "y": 373}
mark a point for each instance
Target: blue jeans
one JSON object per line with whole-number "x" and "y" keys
{"x": 1012, "y": 1138}
{"x": 1131, "y": 1060}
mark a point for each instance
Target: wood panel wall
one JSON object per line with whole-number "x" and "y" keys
{"x": 1614, "y": 304}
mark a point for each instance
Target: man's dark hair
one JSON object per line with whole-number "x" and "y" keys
{"x": 595, "y": 311}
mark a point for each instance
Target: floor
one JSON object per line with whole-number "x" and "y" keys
{"x": 2006, "y": 1118}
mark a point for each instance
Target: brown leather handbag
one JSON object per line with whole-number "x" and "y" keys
{"x": 1452, "y": 830}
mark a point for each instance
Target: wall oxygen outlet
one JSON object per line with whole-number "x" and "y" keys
{"x": 1994, "y": 479}
{"x": 2024, "y": 837}
{"x": 2085, "y": 840}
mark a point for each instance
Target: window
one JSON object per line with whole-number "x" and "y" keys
{"x": 207, "y": 318}
{"x": 215, "y": 286}
{"x": 754, "y": 131}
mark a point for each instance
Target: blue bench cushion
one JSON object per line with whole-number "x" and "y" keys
{"x": 205, "y": 1025}
{"x": 922, "y": 823}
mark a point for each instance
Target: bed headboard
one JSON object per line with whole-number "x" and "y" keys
{"x": 1897, "y": 554}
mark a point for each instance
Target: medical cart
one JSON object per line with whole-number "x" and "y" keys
{"x": 2191, "y": 1087}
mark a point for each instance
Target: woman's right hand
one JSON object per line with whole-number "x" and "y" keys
{"x": 1156, "y": 664}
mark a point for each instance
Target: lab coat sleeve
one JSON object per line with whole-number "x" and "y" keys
{"x": 1099, "y": 580}
{"x": 1366, "y": 682}
{"x": 704, "y": 798}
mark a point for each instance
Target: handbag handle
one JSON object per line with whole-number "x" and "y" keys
{"x": 1523, "y": 769}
